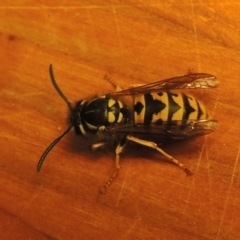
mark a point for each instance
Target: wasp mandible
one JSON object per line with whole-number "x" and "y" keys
{"x": 154, "y": 111}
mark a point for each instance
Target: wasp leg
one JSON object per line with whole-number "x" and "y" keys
{"x": 155, "y": 146}
{"x": 109, "y": 79}
{"x": 96, "y": 146}
{"x": 136, "y": 85}
{"x": 118, "y": 151}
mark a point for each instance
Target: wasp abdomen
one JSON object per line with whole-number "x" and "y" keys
{"x": 167, "y": 107}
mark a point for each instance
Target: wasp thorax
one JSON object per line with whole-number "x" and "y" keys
{"x": 89, "y": 116}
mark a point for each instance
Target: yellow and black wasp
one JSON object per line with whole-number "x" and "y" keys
{"x": 154, "y": 111}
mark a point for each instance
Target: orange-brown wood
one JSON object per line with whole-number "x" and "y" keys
{"x": 134, "y": 42}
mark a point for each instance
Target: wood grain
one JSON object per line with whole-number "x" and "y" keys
{"x": 134, "y": 42}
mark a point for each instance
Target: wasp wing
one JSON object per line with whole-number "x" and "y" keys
{"x": 174, "y": 130}
{"x": 190, "y": 81}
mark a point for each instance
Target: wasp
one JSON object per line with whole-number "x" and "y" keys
{"x": 154, "y": 110}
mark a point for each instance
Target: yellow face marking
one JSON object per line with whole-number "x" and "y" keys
{"x": 82, "y": 130}
{"x": 111, "y": 117}
{"x": 90, "y": 126}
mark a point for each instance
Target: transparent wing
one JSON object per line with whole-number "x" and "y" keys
{"x": 177, "y": 129}
{"x": 191, "y": 81}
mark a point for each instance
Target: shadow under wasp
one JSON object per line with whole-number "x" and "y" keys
{"x": 154, "y": 110}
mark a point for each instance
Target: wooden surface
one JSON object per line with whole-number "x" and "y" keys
{"x": 134, "y": 42}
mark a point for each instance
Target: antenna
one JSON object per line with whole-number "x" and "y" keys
{"x": 57, "y": 87}
{"x": 51, "y": 146}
